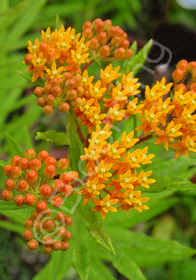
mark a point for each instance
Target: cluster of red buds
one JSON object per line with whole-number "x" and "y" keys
{"x": 41, "y": 181}
{"x": 59, "y": 92}
{"x": 184, "y": 76}
{"x": 106, "y": 40}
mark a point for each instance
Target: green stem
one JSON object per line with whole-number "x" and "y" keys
{"x": 135, "y": 125}
{"x": 82, "y": 138}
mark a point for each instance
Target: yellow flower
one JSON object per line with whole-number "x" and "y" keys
{"x": 143, "y": 179}
{"x": 86, "y": 80}
{"x": 127, "y": 180}
{"x": 106, "y": 205}
{"x": 140, "y": 206}
{"x": 79, "y": 57}
{"x": 47, "y": 37}
{"x": 33, "y": 48}
{"x": 127, "y": 141}
{"x": 130, "y": 84}
{"x": 90, "y": 154}
{"x": 96, "y": 90}
{"x": 94, "y": 115}
{"x": 38, "y": 62}
{"x": 133, "y": 107}
{"x": 102, "y": 170}
{"x": 109, "y": 74}
{"x": 166, "y": 136}
{"x": 54, "y": 72}
{"x": 115, "y": 114}
{"x": 114, "y": 150}
{"x": 92, "y": 188}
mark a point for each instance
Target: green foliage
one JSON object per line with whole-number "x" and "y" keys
{"x": 137, "y": 60}
{"x": 75, "y": 145}
{"x": 52, "y": 136}
{"x": 9, "y": 205}
{"x": 81, "y": 252}
{"x": 96, "y": 228}
{"x": 57, "y": 267}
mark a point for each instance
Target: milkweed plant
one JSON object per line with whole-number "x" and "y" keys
{"x": 117, "y": 174}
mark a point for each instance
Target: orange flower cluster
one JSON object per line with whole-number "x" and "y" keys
{"x": 112, "y": 172}
{"x": 62, "y": 55}
{"x": 32, "y": 177}
{"x": 113, "y": 97}
{"x": 55, "y": 59}
{"x": 107, "y": 42}
{"x": 172, "y": 120}
{"x": 185, "y": 75}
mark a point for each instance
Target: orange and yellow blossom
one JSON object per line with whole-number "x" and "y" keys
{"x": 184, "y": 145}
{"x": 172, "y": 120}
{"x": 166, "y": 136}
{"x": 149, "y": 124}
{"x": 114, "y": 169}
{"x": 109, "y": 74}
{"x": 105, "y": 205}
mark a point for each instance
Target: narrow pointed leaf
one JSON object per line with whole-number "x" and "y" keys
{"x": 28, "y": 77}
{"x": 135, "y": 63}
{"x": 81, "y": 252}
{"x": 52, "y": 136}
{"x": 126, "y": 266}
{"x": 17, "y": 228}
{"x": 57, "y": 267}
{"x": 13, "y": 145}
{"x": 76, "y": 146}
{"x": 96, "y": 228}
{"x": 140, "y": 246}
{"x": 10, "y": 205}
{"x": 99, "y": 271}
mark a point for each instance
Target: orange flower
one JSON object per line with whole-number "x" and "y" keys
{"x": 39, "y": 67}
{"x": 109, "y": 74}
{"x": 187, "y": 143}
{"x": 143, "y": 179}
{"x": 54, "y": 72}
{"x": 151, "y": 120}
{"x": 102, "y": 170}
{"x": 106, "y": 205}
{"x": 92, "y": 188}
{"x": 166, "y": 136}
{"x": 127, "y": 141}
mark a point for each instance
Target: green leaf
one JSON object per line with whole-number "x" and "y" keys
{"x": 95, "y": 227}
{"x": 2, "y": 163}
{"x": 135, "y": 63}
{"x": 81, "y": 253}
{"x": 166, "y": 178}
{"x": 14, "y": 148}
{"x": 28, "y": 77}
{"x": 19, "y": 215}
{"x": 162, "y": 183}
{"x": 10, "y": 205}
{"x": 12, "y": 226}
{"x": 27, "y": 138}
{"x": 134, "y": 48}
{"x": 126, "y": 266}
{"x": 57, "y": 267}
{"x": 185, "y": 270}
{"x": 99, "y": 271}
{"x": 24, "y": 21}
{"x": 140, "y": 246}
{"x": 52, "y": 136}
{"x": 134, "y": 218}
{"x": 75, "y": 147}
